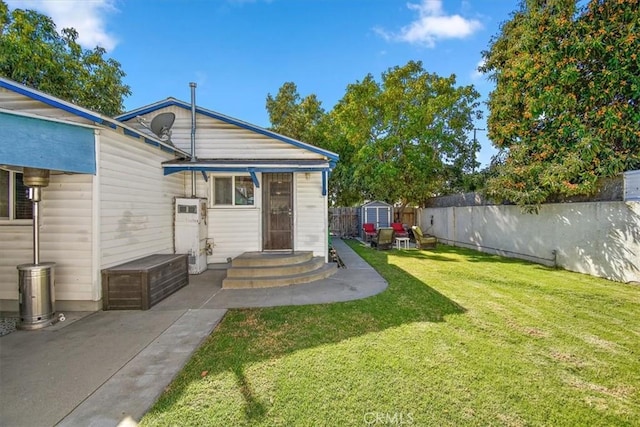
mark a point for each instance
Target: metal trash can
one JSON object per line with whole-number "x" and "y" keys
{"x": 36, "y": 295}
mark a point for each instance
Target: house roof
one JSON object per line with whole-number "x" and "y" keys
{"x": 169, "y": 102}
{"x": 86, "y": 114}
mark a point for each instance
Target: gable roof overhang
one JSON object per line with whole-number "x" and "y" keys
{"x": 89, "y": 115}
{"x": 170, "y": 102}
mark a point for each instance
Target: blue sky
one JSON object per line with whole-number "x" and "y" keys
{"x": 238, "y": 51}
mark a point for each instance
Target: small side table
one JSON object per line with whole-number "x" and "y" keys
{"x": 402, "y": 240}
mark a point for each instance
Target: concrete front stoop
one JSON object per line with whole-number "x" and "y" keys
{"x": 274, "y": 269}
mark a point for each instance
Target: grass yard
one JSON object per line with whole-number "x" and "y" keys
{"x": 458, "y": 338}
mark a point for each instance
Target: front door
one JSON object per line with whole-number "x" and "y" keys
{"x": 277, "y": 196}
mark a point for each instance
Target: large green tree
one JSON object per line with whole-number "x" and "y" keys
{"x": 404, "y": 136}
{"x": 400, "y": 140}
{"x": 33, "y": 53}
{"x": 566, "y": 108}
{"x": 294, "y": 116}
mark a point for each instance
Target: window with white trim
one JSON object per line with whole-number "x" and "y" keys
{"x": 237, "y": 190}
{"x": 14, "y": 203}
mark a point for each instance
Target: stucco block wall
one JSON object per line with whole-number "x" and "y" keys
{"x": 597, "y": 238}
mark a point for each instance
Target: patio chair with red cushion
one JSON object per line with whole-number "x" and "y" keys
{"x": 399, "y": 230}
{"x": 369, "y": 230}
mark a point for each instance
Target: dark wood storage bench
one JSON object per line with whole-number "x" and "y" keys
{"x": 142, "y": 283}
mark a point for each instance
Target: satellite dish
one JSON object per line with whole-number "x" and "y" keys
{"x": 161, "y": 125}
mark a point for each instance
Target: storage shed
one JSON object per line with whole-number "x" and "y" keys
{"x": 378, "y": 213}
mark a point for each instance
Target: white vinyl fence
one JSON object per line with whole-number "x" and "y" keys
{"x": 596, "y": 238}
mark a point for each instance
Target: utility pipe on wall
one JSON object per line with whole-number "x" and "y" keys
{"x": 193, "y": 136}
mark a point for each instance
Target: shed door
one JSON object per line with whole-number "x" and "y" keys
{"x": 277, "y": 219}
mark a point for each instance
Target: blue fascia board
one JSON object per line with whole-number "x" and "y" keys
{"x": 78, "y": 111}
{"x": 33, "y": 94}
{"x": 172, "y": 102}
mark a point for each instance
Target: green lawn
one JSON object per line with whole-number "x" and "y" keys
{"x": 458, "y": 338}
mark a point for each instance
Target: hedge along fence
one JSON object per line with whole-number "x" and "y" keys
{"x": 601, "y": 238}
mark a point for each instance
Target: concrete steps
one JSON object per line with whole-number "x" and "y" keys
{"x": 273, "y": 269}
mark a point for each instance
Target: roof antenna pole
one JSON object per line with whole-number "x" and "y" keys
{"x": 193, "y": 136}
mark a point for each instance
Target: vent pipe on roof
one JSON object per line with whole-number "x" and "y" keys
{"x": 193, "y": 136}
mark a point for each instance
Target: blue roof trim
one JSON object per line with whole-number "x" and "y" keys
{"x": 325, "y": 176}
{"x": 254, "y": 178}
{"x": 52, "y": 102}
{"x": 131, "y": 133}
{"x": 151, "y": 142}
{"x": 172, "y": 102}
{"x": 80, "y": 112}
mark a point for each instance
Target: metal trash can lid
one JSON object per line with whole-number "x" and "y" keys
{"x": 39, "y": 266}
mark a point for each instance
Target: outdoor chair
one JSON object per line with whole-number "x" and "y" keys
{"x": 383, "y": 239}
{"x": 369, "y": 230}
{"x": 423, "y": 241}
{"x": 398, "y": 228}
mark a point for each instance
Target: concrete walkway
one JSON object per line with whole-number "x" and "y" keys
{"x": 107, "y": 368}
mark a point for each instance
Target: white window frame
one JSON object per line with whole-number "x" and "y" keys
{"x": 212, "y": 192}
{"x": 11, "y": 219}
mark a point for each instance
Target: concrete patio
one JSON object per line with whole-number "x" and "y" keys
{"x": 107, "y": 368}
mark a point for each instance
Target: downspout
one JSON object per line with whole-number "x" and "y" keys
{"x": 193, "y": 136}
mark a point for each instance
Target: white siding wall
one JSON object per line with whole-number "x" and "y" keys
{"x": 16, "y": 248}
{"x": 66, "y": 235}
{"x": 311, "y": 217}
{"x": 218, "y": 140}
{"x": 234, "y": 231}
{"x": 65, "y": 238}
{"x": 136, "y": 200}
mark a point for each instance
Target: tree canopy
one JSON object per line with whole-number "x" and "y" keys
{"x": 294, "y": 116}
{"x": 33, "y": 53}
{"x": 566, "y": 108}
{"x": 400, "y": 140}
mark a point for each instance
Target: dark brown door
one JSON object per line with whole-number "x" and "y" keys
{"x": 277, "y": 196}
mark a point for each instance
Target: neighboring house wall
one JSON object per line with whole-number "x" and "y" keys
{"x": 136, "y": 200}
{"x": 597, "y": 238}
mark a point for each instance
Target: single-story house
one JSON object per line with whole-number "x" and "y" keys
{"x": 114, "y": 184}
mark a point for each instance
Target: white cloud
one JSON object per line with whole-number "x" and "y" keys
{"x": 87, "y": 17}
{"x": 432, "y": 24}
{"x": 477, "y": 74}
